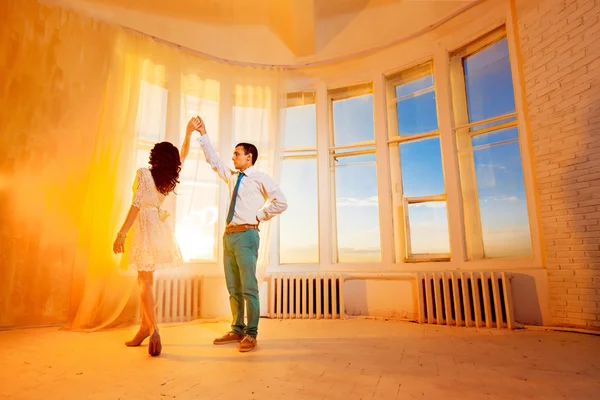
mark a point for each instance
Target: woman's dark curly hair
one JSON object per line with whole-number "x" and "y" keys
{"x": 165, "y": 166}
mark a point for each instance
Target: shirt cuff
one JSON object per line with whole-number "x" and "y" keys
{"x": 262, "y": 215}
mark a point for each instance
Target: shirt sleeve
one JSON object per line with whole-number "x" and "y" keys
{"x": 213, "y": 159}
{"x": 276, "y": 197}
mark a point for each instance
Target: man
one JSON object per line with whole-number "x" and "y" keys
{"x": 249, "y": 189}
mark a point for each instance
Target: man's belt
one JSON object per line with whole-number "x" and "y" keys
{"x": 239, "y": 228}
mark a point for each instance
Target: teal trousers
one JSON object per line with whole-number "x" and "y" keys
{"x": 239, "y": 258}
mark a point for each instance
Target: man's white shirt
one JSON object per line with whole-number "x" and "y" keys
{"x": 255, "y": 189}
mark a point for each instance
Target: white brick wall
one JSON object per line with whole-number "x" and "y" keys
{"x": 560, "y": 43}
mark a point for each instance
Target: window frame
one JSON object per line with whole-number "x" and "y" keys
{"x": 463, "y": 135}
{"x": 171, "y": 82}
{"x": 401, "y": 203}
{"x": 335, "y": 152}
{"x": 294, "y": 99}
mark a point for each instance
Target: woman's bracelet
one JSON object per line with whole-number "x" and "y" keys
{"x": 121, "y": 235}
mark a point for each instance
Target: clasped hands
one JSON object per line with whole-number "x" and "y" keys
{"x": 196, "y": 124}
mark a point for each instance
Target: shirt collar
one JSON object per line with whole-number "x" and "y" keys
{"x": 249, "y": 171}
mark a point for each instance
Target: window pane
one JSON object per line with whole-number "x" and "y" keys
{"x": 488, "y": 81}
{"x": 301, "y": 126}
{"x": 428, "y": 228}
{"x": 353, "y": 120}
{"x": 192, "y": 106}
{"x": 197, "y": 211}
{"x": 357, "y": 209}
{"x": 421, "y": 166}
{"x": 417, "y": 114}
{"x": 152, "y": 113}
{"x": 299, "y": 224}
{"x": 495, "y": 137}
{"x": 414, "y": 86}
{"x": 476, "y": 128}
{"x": 502, "y": 201}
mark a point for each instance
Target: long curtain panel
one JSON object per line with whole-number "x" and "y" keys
{"x": 81, "y": 106}
{"x": 54, "y": 68}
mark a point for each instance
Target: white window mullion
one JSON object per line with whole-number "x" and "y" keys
{"x": 386, "y": 208}
{"x": 275, "y": 123}
{"x": 172, "y": 131}
{"x": 399, "y": 216}
{"x": 468, "y": 185}
{"x": 449, "y": 156}
{"x": 225, "y": 149}
{"x": 326, "y": 189}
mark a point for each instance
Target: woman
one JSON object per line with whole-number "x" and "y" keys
{"x": 152, "y": 245}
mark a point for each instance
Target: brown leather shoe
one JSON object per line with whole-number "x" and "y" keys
{"x": 229, "y": 337}
{"x": 247, "y": 344}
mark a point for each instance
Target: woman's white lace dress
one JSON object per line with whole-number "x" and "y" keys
{"x": 152, "y": 244}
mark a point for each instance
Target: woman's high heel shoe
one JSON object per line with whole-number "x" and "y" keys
{"x": 154, "y": 346}
{"x": 138, "y": 338}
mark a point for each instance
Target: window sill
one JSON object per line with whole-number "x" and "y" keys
{"x": 508, "y": 264}
{"x": 428, "y": 257}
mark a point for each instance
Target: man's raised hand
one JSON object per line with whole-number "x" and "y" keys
{"x": 199, "y": 125}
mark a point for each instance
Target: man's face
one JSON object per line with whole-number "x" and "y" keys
{"x": 240, "y": 159}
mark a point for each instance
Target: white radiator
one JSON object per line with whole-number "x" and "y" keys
{"x": 308, "y": 295}
{"x": 177, "y": 298}
{"x": 466, "y": 299}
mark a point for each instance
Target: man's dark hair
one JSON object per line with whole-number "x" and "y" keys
{"x": 249, "y": 148}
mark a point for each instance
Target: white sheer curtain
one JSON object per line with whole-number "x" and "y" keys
{"x": 82, "y": 104}
{"x": 257, "y": 119}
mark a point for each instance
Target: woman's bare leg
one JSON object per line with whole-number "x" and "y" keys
{"x": 147, "y": 297}
{"x": 144, "y": 330}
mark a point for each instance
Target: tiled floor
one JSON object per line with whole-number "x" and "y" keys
{"x": 351, "y": 359}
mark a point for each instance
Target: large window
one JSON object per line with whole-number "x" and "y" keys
{"x": 417, "y": 164}
{"x": 354, "y": 175}
{"x": 197, "y": 198}
{"x": 487, "y": 137}
{"x": 299, "y": 225}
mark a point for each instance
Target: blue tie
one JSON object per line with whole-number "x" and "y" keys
{"x": 234, "y": 198}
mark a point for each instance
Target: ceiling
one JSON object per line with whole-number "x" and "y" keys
{"x": 306, "y": 28}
